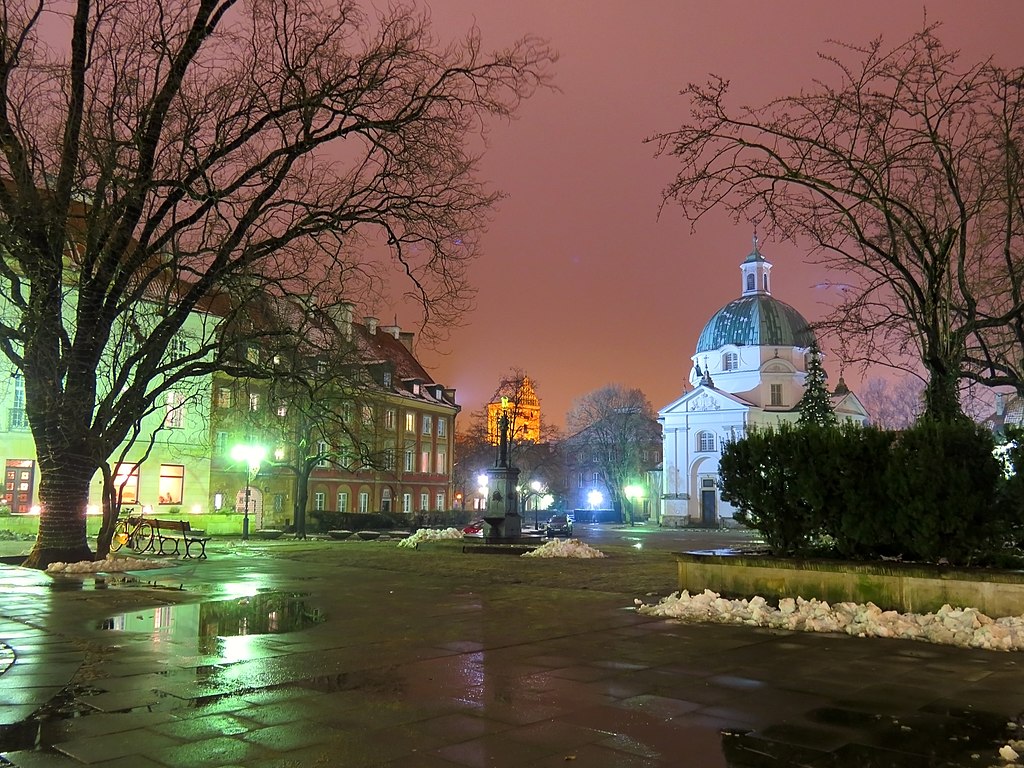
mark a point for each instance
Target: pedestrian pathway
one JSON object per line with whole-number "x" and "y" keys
{"x": 294, "y": 657}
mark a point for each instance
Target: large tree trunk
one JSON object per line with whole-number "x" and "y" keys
{"x": 301, "y": 499}
{"x": 942, "y": 393}
{"x": 63, "y": 498}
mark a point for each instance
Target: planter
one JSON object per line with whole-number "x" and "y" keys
{"x": 368, "y": 535}
{"x": 903, "y": 587}
{"x": 269, "y": 533}
{"x": 339, "y": 535}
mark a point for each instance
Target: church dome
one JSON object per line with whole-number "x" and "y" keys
{"x": 756, "y": 320}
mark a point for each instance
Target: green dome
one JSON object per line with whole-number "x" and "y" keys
{"x": 757, "y": 320}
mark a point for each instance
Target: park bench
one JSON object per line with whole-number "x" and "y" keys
{"x": 179, "y": 531}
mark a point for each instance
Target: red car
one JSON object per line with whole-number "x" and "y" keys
{"x": 475, "y": 528}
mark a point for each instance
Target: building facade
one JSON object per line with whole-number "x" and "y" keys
{"x": 520, "y": 402}
{"x": 748, "y": 370}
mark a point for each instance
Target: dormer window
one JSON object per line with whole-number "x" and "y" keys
{"x": 387, "y": 378}
{"x": 730, "y": 361}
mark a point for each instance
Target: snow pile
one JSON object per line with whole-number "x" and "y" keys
{"x": 110, "y": 565}
{"x": 964, "y": 627}
{"x": 1011, "y": 752}
{"x": 430, "y": 534}
{"x": 567, "y": 548}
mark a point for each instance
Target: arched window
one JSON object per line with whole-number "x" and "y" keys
{"x": 730, "y": 361}
{"x": 764, "y": 279}
{"x": 705, "y": 441}
{"x": 750, "y": 281}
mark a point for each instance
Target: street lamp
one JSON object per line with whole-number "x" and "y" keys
{"x": 481, "y": 482}
{"x": 252, "y": 455}
{"x": 594, "y": 498}
{"x": 633, "y": 492}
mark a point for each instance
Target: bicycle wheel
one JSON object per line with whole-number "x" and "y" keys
{"x": 120, "y": 537}
{"x": 144, "y": 537}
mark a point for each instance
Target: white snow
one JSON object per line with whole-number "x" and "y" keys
{"x": 111, "y": 564}
{"x": 566, "y": 548}
{"x": 1008, "y": 753}
{"x": 965, "y": 627}
{"x": 430, "y": 534}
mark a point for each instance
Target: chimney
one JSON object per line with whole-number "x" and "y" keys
{"x": 371, "y": 325}
{"x": 394, "y": 330}
{"x": 406, "y": 338}
{"x": 341, "y": 314}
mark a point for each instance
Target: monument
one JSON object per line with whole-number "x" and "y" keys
{"x": 503, "y": 521}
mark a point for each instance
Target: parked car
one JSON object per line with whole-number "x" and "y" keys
{"x": 558, "y": 525}
{"x": 475, "y": 528}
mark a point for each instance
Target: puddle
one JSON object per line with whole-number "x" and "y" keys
{"x": 264, "y": 613}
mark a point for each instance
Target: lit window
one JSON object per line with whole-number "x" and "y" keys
{"x": 321, "y": 451}
{"x": 424, "y": 461}
{"x": 343, "y": 501}
{"x": 172, "y": 483}
{"x": 319, "y": 501}
{"x": 442, "y": 426}
{"x": 776, "y": 390}
{"x": 407, "y": 502}
{"x": 410, "y": 422}
{"x": 364, "y": 502}
{"x": 224, "y": 397}
{"x": 389, "y": 418}
{"x": 439, "y": 501}
{"x": 126, "y": 481}
{"x": 705, "y": 441}
{"x": 254, "y": 401}
{"x": 427, "y": 424}
{"x": 282, "y": 410}
{"x": 730, "y": 361}
{"x": 175, "y": 410}
{"x": 442, "y": 462}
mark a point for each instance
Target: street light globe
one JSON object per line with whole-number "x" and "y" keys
{"x": 594, "y": 498}
{"x": 536, "y": 486}
{"x": 634, "y": 492}
{"x": 482, "y": 480}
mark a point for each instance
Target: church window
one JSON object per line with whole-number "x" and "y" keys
{"x": 705, "y": 441}
{"x": 730, "y": 361}
{"x": 750, "y": 281}
{"x": 776, "y": 394}
{"x": 764, "y": 280}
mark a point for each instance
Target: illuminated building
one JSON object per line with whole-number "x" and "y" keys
{"x": 523, "y": 408}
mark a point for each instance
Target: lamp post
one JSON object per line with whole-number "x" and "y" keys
{"x": 252, "y": 455}
{"x": 633, "y": 492}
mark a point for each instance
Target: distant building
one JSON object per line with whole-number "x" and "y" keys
{"x": 520, "y": 402}
{"x": 748, "y": 370}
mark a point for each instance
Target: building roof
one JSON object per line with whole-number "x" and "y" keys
{"x": 756, "y": 320}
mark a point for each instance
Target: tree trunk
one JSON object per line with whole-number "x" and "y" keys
{"x": 942, "y": 395}
{"x": 301, "y": 499}
{"x": 63, "y": 498}
{"x": 111, "y": 510}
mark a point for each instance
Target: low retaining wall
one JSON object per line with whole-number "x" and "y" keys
{"x": 890, "y": 586}
{"x": 214, "y": 523}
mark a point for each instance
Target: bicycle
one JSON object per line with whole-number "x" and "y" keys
{"x": 133, "y": 532}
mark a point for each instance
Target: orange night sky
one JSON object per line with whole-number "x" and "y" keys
{"x": 581, "y": 284}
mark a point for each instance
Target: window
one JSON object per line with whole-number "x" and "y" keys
{"x": 389, "y": 418}
{"x": 126, "y": 481}
{"x": 254, "y": 401}
{"x": 174, "y": 418}
{"x": 282, "y": 410}
{"x": 410, "y": 422}
{"x": 442, "y": 463}
{"x": 387, "y": 379}
{"x": 764, "y": 281}
{"x": 319, "y": 501}
{"x": 177, "y": 349}
{"x": 407, "y": 502}
{"x": 424, "y": 502}
{"x": 705, "y": 441}
{"x": 581, "y": 480}
{"x": 424, "y": 461}
{"x": 750, "y": 281}
{"x": 252, "y": 355}
{"x": 221, "y": 443}
{"x": 385, "y": 500}
{"x": 442, "y": 426}
{"x": 428, "y": 424}
{"x": 342, "y": 501}
{"x": 389, "y": 457}
{"x": 730, "y": 361}
{"x": 367, "y": 414}
{"x": 280, "y": 453}
{"x": 439, "y": 501}
{"x": 364, "y": 502}
{"x": 409, "y": 464}
{"x": 172, "y": 483}
{"x": 346, "y": 413}
{"x": 321, "y": 450}
{"x": 321, "y": 367}
{"x": 223, "y": 397}
{"x": 776, "y": 394}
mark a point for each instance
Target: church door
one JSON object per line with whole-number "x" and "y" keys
{"x": 708, "y": 506}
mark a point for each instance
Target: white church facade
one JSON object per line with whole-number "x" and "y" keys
{"x": 748, "y": 370}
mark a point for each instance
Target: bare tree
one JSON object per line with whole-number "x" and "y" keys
{"x": 894, "y": 403}
{"x": 905, "y": 176}
{"x": 165, "y": 161}
{"x": 611, "y": 428}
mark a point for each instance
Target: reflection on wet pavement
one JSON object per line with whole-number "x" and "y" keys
{"x": 292, "y": 662}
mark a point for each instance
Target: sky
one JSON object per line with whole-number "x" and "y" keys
{"x": 582, "y": 283}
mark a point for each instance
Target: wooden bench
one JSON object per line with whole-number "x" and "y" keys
{"x": 179, "y": 531}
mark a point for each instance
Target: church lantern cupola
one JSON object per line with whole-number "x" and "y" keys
{"x": 756, "y": 273}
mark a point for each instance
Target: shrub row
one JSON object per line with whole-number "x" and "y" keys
{"x": 933, "y": 492}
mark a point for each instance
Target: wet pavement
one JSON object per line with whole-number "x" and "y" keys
{"x": 265, "y": 656}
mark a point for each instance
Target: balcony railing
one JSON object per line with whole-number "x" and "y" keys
{"x": 17, "y": 421}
